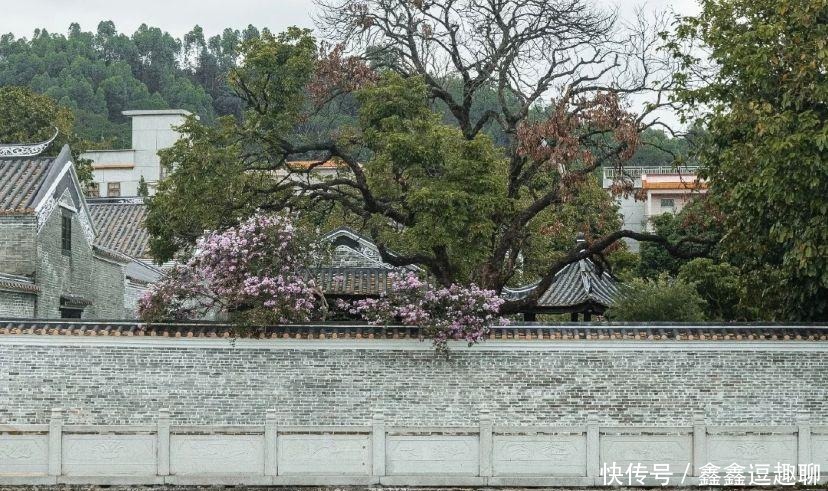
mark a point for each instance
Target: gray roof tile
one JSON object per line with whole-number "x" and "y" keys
{"x": 120, "y": 226}
{"x": 579, "y": 283}
{"x": 20, "y": 181}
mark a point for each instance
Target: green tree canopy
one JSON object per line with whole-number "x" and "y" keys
{"x": 764, "y": 104}
{"x": 28, "y": 117}
{"x": 441, "y": 196}
{"x": 100, "y": 74}
{"x": 662, "y": 299}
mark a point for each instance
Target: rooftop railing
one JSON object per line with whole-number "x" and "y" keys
{"x": 611, "y": 173}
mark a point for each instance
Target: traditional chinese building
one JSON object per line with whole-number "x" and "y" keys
{"x": 120, "y": 226}
{"x": 357, "y": 271}
{"x": 53, "y": 263}
{"x": 580, "y": 288}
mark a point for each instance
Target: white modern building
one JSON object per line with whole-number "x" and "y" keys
{"x": 658, "y": 190}
{"x": 117, "y": 172}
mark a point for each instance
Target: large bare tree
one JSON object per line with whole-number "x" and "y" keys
{"x": 564, "y": 75}
{"x": 579, "y": 60}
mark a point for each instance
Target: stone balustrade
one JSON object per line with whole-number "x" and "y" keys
{"x": 485, "y": 454}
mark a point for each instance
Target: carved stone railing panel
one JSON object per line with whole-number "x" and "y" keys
{"x": 109, "y": 455}
{"x": 216, "y": 454}
{"x": 539, "y": 455}
{"x": 819, "y": 451}
{"x": 756, "y": 449}
{"x": 324, "y": 454}
{"x": 647, "y": 450}
{"x": 24, "y": 455}
{"x": 432, "y": 455}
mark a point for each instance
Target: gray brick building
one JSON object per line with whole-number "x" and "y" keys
{"x": 52, "y": 264}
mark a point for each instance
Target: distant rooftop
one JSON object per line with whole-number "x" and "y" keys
{"x": 156, "y": 112}
{"x": 120, "y": 224}
{"x": 635, "y": 172}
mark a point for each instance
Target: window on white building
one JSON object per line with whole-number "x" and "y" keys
{"x": 668, "y": 203}
{"x": 113, "y": 189}
{"x": 93, "y": 190}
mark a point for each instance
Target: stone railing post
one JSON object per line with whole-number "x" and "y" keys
{"x": 699, "y": 444}
{"x": 803, "y": 430}
{"x": 271, "y": 444}
{"x": 593, "y": 448}
{"x": 163, "y": 452}
{"x": 486, "y": 444}
{"x": 378, "y": 444}
{"x": 55, "y": 442}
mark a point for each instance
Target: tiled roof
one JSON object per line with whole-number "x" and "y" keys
{"x": 20, "y": 181}
{"x": 74, "y": 300}
{"x": 572, "y": 332}
{"x": 107, "y": 253}
{"x": 120, "y": 225}
{"x": 579, "y": 283}
{"x": 143, "y": 273}
{"x": 18, "y": 283}
{"x": 353, "y": 281}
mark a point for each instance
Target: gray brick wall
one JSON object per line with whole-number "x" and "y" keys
{"x": 107, "y": 291}
{"x": 111, "y": 384}
{"x": 17, "y": 247}
{"x": 17, "y": 304}
{"x": 132, "y": 293}
{"x": 58, "y": 273}
{"x": 79, "y": 273}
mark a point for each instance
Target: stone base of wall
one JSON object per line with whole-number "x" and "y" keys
{"x": 78, "y": 487}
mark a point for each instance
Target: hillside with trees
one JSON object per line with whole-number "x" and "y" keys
{"x": 97, "y": 75}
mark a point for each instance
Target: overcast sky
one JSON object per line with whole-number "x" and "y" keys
{"x": 177, "y": 17}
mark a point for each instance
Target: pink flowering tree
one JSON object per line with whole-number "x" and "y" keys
{"x": 445, "y": 313}
{"x": 255, "y": 272}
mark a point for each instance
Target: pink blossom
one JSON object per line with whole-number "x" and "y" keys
{"x": 453, "y": 313}
{"x": 254, "y": 270}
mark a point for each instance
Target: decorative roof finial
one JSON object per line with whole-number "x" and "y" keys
{"x": 579, "y": 239}
{"x": 26, "y": 150}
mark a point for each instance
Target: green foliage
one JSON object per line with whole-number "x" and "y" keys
{"x": 451, "y": 184}
{"x": 654, "y": 259}
{"x": 28, "y": 117}
{"x": 207, "y": 188}
{"x": 212, "y": 183}
{"x": 591, "y": 211}
{"x": 143, "y": 189}
{"x": 446, "y": 193}
{"x": 697, "y": 220}
{"x": 721, "y": 286}
{"x": 98, "y": 75}
{"x": 766, "y": 151}
{"x": 658, "y": 300}
{"x": 624, "y": 264}
{"x": 276, "y": 71}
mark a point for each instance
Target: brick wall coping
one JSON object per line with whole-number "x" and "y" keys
{"x": 331, "y": 331}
